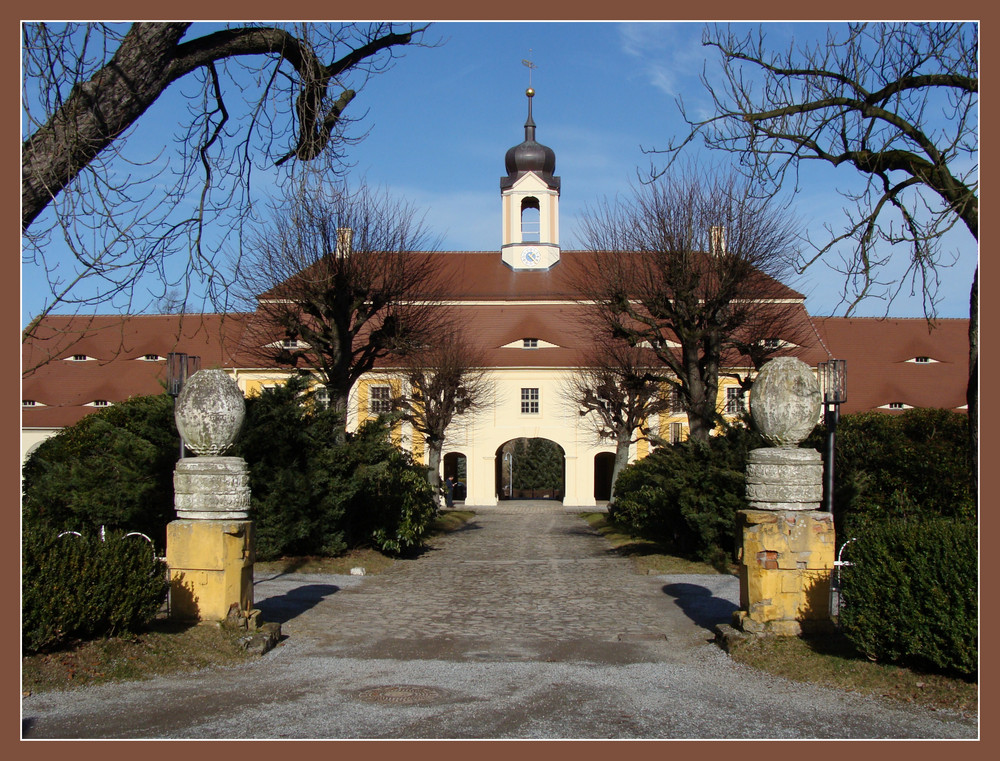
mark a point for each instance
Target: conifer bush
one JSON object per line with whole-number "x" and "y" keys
{"x": 911, "y": 465}
{"x": 686, "y": 495}
{"x": 910, "y": 594}
{"x": 114, "y": 469}
{"x": 79, "y": 587}
{"x": 311, "y": 495}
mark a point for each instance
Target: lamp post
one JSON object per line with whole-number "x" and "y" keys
{"x": 180, "y": 367}
{"x": 833, "y": 382}
{"x": 508, "y": 457}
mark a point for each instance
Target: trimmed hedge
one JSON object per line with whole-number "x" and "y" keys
{"x": 901, "y": 466}
{"x": 909, "y": 595}
{"x": 81, "y": 587}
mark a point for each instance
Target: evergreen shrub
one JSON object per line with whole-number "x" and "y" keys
{"x": 686, "y": 495}
{"x": 295, "y": 503}
{"x": 311, "y": 495}
{"x": 911, "y": 465}
{"x": 909, "y": 595}
{"x": 388, "y": 502}
{"x": 79, "y": 587}
{"x": 114, "y": 468}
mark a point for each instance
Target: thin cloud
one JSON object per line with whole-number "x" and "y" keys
{"x": 670, "y": 54}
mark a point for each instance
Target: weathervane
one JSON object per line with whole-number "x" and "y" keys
{"x": 530, "y": 65}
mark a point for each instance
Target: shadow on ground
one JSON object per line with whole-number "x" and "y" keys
{"x": 700, "y": 605}
{"x": 283, "y": 608}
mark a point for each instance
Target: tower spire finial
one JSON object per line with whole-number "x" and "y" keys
{"x": 531, "y": 65}
{"x": 529, "y": 125}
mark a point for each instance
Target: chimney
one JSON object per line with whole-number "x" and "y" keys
{"x": 717, "y": 239}
{"x": 344, "y": 236}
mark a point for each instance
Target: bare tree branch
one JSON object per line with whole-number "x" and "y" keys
{"x": 445, "y": 381}
{"x": 617, "y": 391}
{"x": 340, "y": 279}
{"x": 897, "y": 101}
{"x": 699, "y": 278}
{"x": 257, "y": 95}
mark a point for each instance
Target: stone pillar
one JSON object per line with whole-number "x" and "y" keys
{"x": 787, "y": 549}
{"x": 210, "y": 547}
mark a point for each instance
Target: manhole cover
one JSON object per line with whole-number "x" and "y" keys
{"x": 401, "y": 694}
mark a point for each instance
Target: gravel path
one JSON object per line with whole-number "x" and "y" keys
{"x": 521, "y": 625}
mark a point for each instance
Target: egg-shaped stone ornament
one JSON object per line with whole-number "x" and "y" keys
{"x": 209, "y": 412}
{"x": 785, "y": 401}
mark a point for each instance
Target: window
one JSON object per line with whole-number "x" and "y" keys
{"x": 322, "y": 397}
{"x": 27, "y": 402}
{"x": 734, "y": 400}
{"x": 290, "y": 343}
{"x": 770, "y": 344}
{"x": 530, "y": 343}
{"x": 922, "y": 360}
{"x": 152, "y": 358}
{"x": 897, "y": 406}
{"x": 530, "y": 219}
{"x": 676, "y": 429}
{"x": 675, "y": 401}
{"x": 380, "y": 400}
{"x": 101, "y": 403}
{"x": 529, "y": 401}
{"x": 79, "y": 358}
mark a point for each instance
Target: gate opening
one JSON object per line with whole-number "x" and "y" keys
{"x": 604, "y": 469}
{"x": 530, "y": 469}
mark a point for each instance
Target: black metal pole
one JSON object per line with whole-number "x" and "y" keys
{"x": 832, "y": 416}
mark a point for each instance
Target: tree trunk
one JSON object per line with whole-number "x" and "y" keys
{"x": 338, "y": 402}
{"x": 434, "y": 463}
{"x": 621, "y": 460}
{"x": 96, "y": 113}
{"x": 972, "y": 393}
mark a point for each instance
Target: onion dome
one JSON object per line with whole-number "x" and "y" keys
{"x": 530, "y": 156}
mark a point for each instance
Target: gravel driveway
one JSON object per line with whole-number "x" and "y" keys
{"x": 521, "y": 625}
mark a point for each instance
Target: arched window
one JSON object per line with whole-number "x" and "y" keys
{"x": 530, "y": 219}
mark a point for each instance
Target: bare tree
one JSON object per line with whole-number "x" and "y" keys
{"x": 341, "y": 280}
{"x": 262, "y": 100}
{"x": 899, "y": 103}
{"x": 448, "y": 379}
{"x": 683, "y": 267}
{"x": 770, "y": 328}
{"x": 618, "y": 391}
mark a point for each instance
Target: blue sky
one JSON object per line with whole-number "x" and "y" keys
{"x": 441, "y": 120}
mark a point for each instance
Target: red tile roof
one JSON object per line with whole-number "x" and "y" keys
{"x": 877, "y": 353}
{"x": 498, "y": 307}
{"x": 482, "y": 276}
{"x": 115, "y": 369}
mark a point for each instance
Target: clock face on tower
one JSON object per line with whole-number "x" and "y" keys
{"x": 530, "y": 256}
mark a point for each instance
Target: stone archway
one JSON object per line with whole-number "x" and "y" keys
{"x": 530, "y": 468}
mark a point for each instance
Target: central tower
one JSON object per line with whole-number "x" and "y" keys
{"x": 530, "y": 201}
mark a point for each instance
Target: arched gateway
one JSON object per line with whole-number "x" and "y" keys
{"x": 530, "y": 469}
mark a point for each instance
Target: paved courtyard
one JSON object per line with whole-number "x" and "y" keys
{"x": 521, "y": 625}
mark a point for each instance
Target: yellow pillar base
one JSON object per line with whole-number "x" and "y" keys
{"x": 211, "y": 567}
{"x": 786, "y": 559}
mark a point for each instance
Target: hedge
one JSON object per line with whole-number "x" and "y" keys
{"x": 79, "y": 587}
{"x": 910, "y": 594}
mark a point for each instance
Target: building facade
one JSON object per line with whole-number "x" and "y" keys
{"x": 520, "y": 306}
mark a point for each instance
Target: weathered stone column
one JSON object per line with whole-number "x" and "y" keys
{"x": 787, "y": 549}
{"x": 210, "y": 546}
